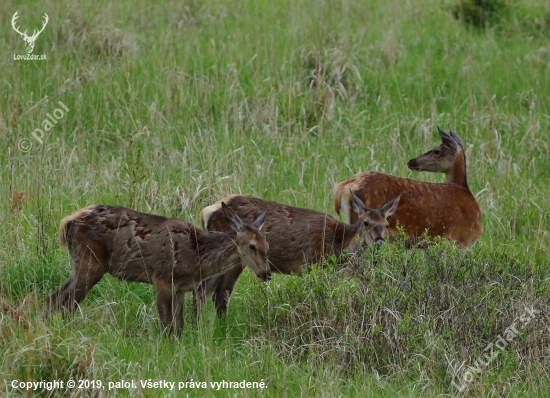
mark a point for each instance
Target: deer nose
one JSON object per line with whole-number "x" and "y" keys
{"x": 379, "y": 240}
{"x": 411, "y": 164}
{"x": 265, "y": 276}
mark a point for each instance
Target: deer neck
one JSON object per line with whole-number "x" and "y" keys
{"x": 346, "y": 233}
{"x": 217, "y": 254}
{"x": 458, "y": 172}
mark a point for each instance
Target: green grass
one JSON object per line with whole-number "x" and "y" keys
{"x": 173, "y": 105}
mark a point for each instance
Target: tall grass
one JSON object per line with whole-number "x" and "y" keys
{"x": 173, "y": 105}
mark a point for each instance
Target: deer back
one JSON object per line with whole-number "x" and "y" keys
{"x": 296, "y": 236}
{"x": 142, "y": 247}
{"x": 447, "y": 210}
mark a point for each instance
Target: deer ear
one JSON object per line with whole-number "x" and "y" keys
{"x": 232, "y": 219}
{"x": 259, "y": 223}
{"x": 391, "y": 207}
{"x": 356, "y": 204}
{"x": 456, "y": 137}
{"x": 447, "y": 139}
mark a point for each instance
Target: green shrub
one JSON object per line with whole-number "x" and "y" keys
{"x": 381, "y": 309}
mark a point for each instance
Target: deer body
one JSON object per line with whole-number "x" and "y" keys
{"x": 296, "y": 237}
{"x": 171, "y": 254}
{"x": 448, "y": 209}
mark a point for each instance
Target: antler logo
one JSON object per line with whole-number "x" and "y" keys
{"x": 29, "y": 40}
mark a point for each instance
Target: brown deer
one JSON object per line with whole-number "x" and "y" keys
{"x": 446, "y": 209}
{"x": 171, "y": 254}
{"x": 296, "y": 237}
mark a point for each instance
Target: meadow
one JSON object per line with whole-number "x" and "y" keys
{"x": 175, "y": 104}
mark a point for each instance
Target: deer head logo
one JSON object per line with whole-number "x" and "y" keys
{"x": 29, "y": 40}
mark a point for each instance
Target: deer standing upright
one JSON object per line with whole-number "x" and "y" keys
{"x": 443, "y": 209}
{"x": 296, "y": 237}
{"x": 171, "y": 254}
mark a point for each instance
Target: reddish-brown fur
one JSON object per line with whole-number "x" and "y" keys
{"x": 296, "y": 237}
{"x": 171, "y": 254}
{"x": 447, "y": 209}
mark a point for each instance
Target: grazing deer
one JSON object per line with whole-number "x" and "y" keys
{"x": 171, "y": 254}
{"x": 446, "y": 209}
{"x": 295, "y": 236}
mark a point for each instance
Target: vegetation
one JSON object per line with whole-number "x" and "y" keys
{"x": 480, "y": 13}
{"x": 173, "y": 105}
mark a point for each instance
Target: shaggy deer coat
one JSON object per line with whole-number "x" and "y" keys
{"x": 296, "y": 237}
{"x": 171, "y": 254}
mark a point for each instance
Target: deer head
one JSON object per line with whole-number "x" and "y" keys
{"x": 374, "y": 222}
{"x": 29, "y": 40}
{"x": 255, "y": 255}
{"x": 448, "y": 158}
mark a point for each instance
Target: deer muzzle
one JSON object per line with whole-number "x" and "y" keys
{"x": 413, "y": 165}
{"x": 264, "y": 276}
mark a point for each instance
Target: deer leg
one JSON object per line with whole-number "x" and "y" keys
{"x": 170, "y": 306}
{"x": 164, "y": 304}
{"x": 177, "y": 312}
{"x": 83, "y": 278}
{"x": 84, "y": 281}
{"x": 53, "y": 301}
{"x": 204, "y": 290}
{"x": 224, "y": 288}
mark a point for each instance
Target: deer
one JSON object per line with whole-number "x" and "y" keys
{"x": 172, "y": 254}
{"x": 296, "y": 237}
{"x": 448, "y": 210}
{"x": 29, "y": 40}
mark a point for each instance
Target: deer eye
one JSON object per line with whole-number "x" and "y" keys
{"x": 252, "y": 246}
{"x": 436, "y": 151}
{"x": 366, "y": 223}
